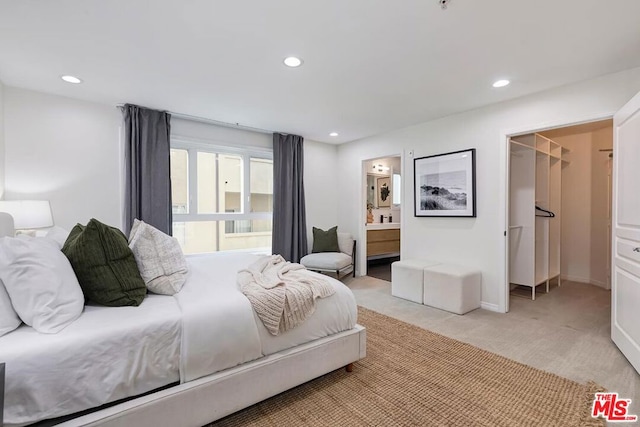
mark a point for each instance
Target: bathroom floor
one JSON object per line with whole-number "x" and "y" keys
{"x": 381, "y": 268}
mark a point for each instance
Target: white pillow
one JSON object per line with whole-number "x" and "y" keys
{"x": 58, "y": 234}
{"x": 159, "y": 257}
{"x": 9, "y": 320}
{"x": 39, "y": 279}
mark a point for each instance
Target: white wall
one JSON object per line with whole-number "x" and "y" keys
{"x": 476, "y": 242}
{"x": 69, "y": 152}
{"x": 2, "y": 150}
{"x": 321, "y": 187}
{"x": 585, "y": 206}
{"x": 66, "y": 151}
{"x": 575, "y": 243}
{"x": 219, "y": 135}
{"x": 600, "y": 206}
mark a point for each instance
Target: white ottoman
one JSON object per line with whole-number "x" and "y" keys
{"x": 407, "y": 278}
{"x": 452, "y": 288}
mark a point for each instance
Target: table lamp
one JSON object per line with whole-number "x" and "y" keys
{"x": 28, "y": 215}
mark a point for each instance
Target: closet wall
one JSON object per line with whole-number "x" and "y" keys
{"x": 585, "y": 202}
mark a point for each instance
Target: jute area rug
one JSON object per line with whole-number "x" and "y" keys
{"x": 413, "y": 377}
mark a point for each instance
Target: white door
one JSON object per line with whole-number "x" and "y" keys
{"x": 625, "y": 291}
{"x": 609, "y": 215}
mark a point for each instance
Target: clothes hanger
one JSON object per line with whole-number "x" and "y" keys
{"x": 547, "y": 214}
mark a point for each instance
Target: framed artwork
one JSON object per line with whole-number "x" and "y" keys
{"x": 384, "y": 192}
{"x": 445, "y": 184}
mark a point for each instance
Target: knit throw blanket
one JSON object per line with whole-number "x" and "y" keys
{"x": 281, "y": 293}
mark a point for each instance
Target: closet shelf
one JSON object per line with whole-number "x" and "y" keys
{"x": 535, "y": 181}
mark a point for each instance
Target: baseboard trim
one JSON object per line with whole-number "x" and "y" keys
{"x": 574, "y": 278}
{"x": 599, "y": 284}
{"x": 585, "y": 280}
{"x": 490, "y": 307}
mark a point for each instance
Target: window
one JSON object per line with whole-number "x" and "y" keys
{"x": 222, "y": 198}
{"x": 397, "y": 188}
{"x": 179, "y": 181}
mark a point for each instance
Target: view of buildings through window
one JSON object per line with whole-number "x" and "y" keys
{"x": 221, "y": 201}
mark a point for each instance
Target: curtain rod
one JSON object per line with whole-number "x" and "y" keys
{"x": 214, "y": 122}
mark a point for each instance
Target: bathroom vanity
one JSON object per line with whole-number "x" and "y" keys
{"x": 383, "y": 240}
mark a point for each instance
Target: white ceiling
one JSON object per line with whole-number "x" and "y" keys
{"x": 370, "y": 66}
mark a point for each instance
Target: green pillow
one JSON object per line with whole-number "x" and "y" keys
{"x": 104, "y": 265}
{"x": 325, "y": 241}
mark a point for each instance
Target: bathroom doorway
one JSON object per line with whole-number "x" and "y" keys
{"x": 383, "y": 211}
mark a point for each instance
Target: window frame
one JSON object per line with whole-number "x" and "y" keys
{"x": 246, "y": 153}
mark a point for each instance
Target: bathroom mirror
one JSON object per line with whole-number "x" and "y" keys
{"x": 374, "y": 198}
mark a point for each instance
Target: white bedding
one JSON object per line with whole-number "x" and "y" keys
{"x": 219, "y": 329}
{"x": 49, "y": 375}
{"x": 217, "y": 313}
{"x": 207, "y": 327}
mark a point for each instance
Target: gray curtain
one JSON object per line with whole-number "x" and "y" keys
{"x": 147, "y": 168}
{"x": 289, "y": 215}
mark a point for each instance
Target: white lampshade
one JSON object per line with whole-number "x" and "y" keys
{"x": 28, "y": 214}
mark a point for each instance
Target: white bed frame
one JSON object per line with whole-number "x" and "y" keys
{"x": 207, "y": 399}
{"x": 202, "y": 401}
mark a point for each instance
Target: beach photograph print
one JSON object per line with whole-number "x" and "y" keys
{"x": 445, "y": 184}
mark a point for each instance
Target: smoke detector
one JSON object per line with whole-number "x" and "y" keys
{"x": 443, "y": 3}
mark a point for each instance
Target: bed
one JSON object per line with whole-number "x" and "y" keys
{"x": 199, "y": 355}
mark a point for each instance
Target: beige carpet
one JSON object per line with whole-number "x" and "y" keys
{"x": 415, "y": 377}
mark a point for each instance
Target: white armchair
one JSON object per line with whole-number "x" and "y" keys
{"x": 338, "y": 262}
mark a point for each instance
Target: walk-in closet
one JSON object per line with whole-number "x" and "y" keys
{"x": 560, "y": 208}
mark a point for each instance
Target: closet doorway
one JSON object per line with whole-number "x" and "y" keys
{"x": 560, "y": 206}
{"x": 383, "y": 192}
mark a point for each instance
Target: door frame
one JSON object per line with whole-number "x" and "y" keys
{"x": 505, "y": 153}
{"x": 362, "y": 254}
{"x": 621, "y": 232}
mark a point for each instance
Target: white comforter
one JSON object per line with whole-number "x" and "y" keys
{"x": 216, "y": 314}
{"x": 113, "y": 353}
{"x": 219, "y": 328}
{"x": 109, "y": 353}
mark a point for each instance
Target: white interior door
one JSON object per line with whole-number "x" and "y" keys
{"x": 625, "y": 291}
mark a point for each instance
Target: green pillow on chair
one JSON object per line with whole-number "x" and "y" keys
{"x": 104, "y": 265}
{"x": 325, "y": 241}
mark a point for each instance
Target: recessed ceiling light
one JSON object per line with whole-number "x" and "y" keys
{"x": 333, "y": 134}
{"x": 71, "y": 79}
{"x": 292, "y": 61}
{"x": 501, "y": 83}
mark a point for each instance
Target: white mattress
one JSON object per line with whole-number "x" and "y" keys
{"x": 207, "y": 327}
